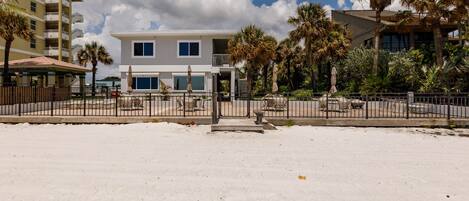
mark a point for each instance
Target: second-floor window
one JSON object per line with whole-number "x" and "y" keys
{"x": 32, "y": 43}
{"x": 33, "y": 6}
{"x": 33, "y": 25}
{"x": 143, "y": 49}
{"x": 188, "y": 48}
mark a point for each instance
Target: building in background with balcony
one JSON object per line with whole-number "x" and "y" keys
{"x": 163, "y": 57}
{"x": 52, "y": 23}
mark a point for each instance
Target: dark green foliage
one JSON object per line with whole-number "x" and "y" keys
{"x": 302, "y": 94}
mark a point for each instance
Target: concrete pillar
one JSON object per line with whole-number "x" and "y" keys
{"x": 51, "y": 79}
{"x": 67, "y": 80}
{"x": 124, "y": 77}
{"x": 82, "y": 84}
{"x": 232, "y": 84}
{"x": 40, "y": 81}
{"x": 25, "y": 79}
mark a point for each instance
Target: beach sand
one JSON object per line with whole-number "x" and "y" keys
{"x": 174, "y": 162}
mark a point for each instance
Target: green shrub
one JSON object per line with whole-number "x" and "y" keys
{"x": 302, "y": 94}
{"x": 374, "y": 84}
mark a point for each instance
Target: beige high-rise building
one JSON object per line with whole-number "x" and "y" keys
{"x": 51, "y": 21}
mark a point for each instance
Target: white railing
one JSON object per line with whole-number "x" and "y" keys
{"x": 54, "y": 51}
{"x": 221, "y": 60}
{"x": 64, "y": 2}
{"x": 54, "y": 16}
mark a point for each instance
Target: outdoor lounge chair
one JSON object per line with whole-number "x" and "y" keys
{"x": 274, "y": 103}
{"x": 130, "y": 103}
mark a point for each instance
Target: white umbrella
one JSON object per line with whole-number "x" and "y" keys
{"x": 274, "y": 80}
{"x": 333, "y": 80}
{"x": 129, "y": 80}
{"x": 189, "y": 79}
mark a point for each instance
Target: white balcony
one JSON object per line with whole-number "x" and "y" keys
{"x": 77, "y": 18}
{"x": 53, "y": 17}
{"x": 64, "y": 2}
{"x": 54, "y": 52}
{"x": 54, "y": 34}
{"x": 77, "y": 33}
{"x": 221, "y": 60}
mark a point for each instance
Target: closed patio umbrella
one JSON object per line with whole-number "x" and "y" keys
{"x": 274, "y": 80}
{"x": 189, "y": 79}
{"x": 129, "y": 80}
{"x": 333, "y": 80}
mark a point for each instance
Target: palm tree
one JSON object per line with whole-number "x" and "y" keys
{"x": 268, "y": 66}
{"x": 334, "y": 46}
{"x": 12, "y": 24}
{"x": 309, "y": 26}
{"x": 253, "y": 46}
{"x": 94, "y": 53}
{"x": 460, "y": 15}
{"x": 378, "y": 6}
{"x": 434, "y": 11}
{"x": 289, "y": 53}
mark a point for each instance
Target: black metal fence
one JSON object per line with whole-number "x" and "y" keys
{"x": 319, "y": 105}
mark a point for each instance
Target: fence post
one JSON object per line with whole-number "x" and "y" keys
{"x": 52, "y": 102}
{"x": 449, "y": 105}
{"x": 366, "y": 106}
{"x": 116, "y": 105}
{"x": 184, "y": 104}
{"x": 407, "y": 105}
{"x": 19, "y": 102}
{"x": 288, "y": 105}
{"x": 249, "y": 104}
{"x": 35, "y": 94}
{"x": 327, "y": 105}
{"x": 149, "y": 102}
{"x": 84, "y": 102}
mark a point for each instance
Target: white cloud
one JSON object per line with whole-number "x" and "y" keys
{"x": 105, "y": 16}
{"x": 328, "y": 9}
{"x": 341, "y": 3}
{"x": 365, "y": 5}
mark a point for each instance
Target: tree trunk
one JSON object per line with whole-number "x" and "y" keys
{"x": 438, "y": 40}
{"x": 309, "y": 62}
{"x": 265, "y": 73}
{"x": 249, "y": 88}
{"x": 376, "y": 43}
{"x": 289, "y": 78}
{"x": 93, "y": 82}
{"x": 6, "y": 68}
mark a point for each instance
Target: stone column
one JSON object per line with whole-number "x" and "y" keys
{"x": 82, "y": 83}
{"x": 232, "y": 84}
{"x": 25, "y": 79}
{"x": 51, "y": 79}
{"x": 40, "y": 81}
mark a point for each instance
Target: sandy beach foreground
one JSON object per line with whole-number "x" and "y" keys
{"x": 174, "y": 162}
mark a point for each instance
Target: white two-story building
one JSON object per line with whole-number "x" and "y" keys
{"x": 164, "y": 56}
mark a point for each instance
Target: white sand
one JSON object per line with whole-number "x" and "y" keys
{"x": 173, "y": 162}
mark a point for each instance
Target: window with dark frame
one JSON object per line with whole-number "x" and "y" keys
{"x": 33, "y": 25}
{"x": 32, "y": 43}
{"x": 189, "y": 49}
{"x": 144, "y": 49}
{"x": 33, "y": 6}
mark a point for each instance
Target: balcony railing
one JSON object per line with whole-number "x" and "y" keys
{"x": 221, "y": 60}
{"x": 64, "y": 2}
{"x": 54, "y": 51}
{"x": 54, "y": 16}
{"x": 54, "y": 33}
